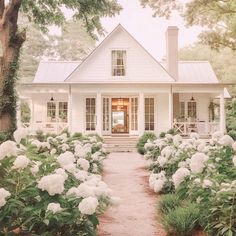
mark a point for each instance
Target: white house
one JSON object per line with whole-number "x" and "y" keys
{"x": 121, "y": 89}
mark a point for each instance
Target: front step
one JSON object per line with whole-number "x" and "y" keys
{"x": 120, "y": 144}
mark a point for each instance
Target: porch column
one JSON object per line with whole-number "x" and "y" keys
{"x": 222, "y": 112}
{"x": 99, "y": 113}
{"x": 170, "y": 108}
{"x": 69, "y": 109}
{"x": 141, "y": 114}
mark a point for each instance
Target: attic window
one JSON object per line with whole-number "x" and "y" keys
{"x": 118, "y": 62}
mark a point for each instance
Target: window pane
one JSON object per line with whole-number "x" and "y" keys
{"x": 118, "y": 62}
{"x": 90, "y": 114}
{"x": 149, "y": 114}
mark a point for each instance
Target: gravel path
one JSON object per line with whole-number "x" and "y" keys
{"x": 126, "y": 175}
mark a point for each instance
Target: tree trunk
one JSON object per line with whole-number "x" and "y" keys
{"x": 11, "y": 41}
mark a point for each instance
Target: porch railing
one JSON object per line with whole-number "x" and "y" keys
{"x": 47, "y": 127}
{"x": 202, "y": 128}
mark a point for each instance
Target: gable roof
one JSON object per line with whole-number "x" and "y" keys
{"x": 164, "y": 72}
{"x": 54, "y": 71}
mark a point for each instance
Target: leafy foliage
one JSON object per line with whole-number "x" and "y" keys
{"x": 143, "y": 139}
{"x": 231, "y": 119}
{"x": 217, "y": 15}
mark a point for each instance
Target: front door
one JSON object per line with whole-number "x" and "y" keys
{"x": 120, "y": 115}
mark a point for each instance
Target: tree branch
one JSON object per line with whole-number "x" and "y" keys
{"x": 2, "y": 7}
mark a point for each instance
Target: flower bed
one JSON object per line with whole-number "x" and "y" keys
{"x": 199, "y": 178}
{"x": 51, "y": 185}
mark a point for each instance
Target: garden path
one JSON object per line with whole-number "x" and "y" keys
{"x": 126, "y": 175}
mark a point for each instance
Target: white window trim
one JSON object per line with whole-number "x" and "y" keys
{"x": 114, "y": 77}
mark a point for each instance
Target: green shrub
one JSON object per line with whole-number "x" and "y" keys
{"x": 182, "y": 220}
{"x": 171, "y": 131}
{"x": 4, "y": 136}
{"x": 143, "y": 139}
{"x": 232, "y": 133}
{"x": 168, "y": 203}
{"x": 162, "y": 135}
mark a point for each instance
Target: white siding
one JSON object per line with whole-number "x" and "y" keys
{"x": 141, "y": 66}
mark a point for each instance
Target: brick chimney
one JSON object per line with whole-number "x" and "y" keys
{"x": 172, "y": 51}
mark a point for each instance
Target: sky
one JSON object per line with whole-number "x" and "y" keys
{"x": 148, "y": 30}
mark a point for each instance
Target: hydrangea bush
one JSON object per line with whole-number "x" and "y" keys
{"x": 202, "y": 171}
{"x": 52, "y": 186}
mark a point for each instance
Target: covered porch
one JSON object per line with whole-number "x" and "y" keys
{"x": 105, "y": 110}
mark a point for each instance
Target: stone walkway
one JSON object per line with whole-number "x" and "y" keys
{"x": 126, "y": 175}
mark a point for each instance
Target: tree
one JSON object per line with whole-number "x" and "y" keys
{"x": 43, "y": 13}
{"x": 74, "y": 43}
{"x": 219, "y": 16}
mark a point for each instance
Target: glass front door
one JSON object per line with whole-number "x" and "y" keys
{"x": 120, "y": 115}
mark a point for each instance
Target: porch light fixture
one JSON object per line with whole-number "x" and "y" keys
{"x": 192, "y": 99}
{"x": 52, "y": 99}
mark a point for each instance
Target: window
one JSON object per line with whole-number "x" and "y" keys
{"x": 51, "y": 111}
{"x": 63, "y": 111}
{"x": 149, "y": 114}
{"x": 90, "y": 114}
{"x": 192, "y": 109}
{"x": 118, "y": 63}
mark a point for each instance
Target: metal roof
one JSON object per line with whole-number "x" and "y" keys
{"x": 54, "y": 71}
{"x": 197, "y": 72}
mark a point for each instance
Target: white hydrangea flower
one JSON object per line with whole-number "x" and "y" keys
{"x": 61, "y": 172}
{"x": 217, "y": 135}
{"x": 82, "y": 175}
{"x": 88, "y": 205}
{"x": 167, "y": 151}
{"x": 66, "y": 158}
{"x": 71, "y": 168}
{"x": 194, "y": 135}
{"x": 177, "y": 139}
{"x": 157, "y": 181}
{"x": 234, "y": 146}
{"x": 20, "y": 134}
{"x": 73, "y": 191}
{"x": 46, "y": 145}
{"x": 179, "y": 176}
{"x": 162, "y": 161}
{"x": 7, "y": 149}
{"x": 234, "y": 161}
{"x": 95, "y": 168}
{"x": 21, "y": 162}
{"x": 83, "y": 163}
{"x": 54, "y": 207}
{"x": 36, "y": 143}
{"x": 53, "y": 151}
{"x": 85, "y": 190}
{"x": 197, "y": 162}
{"x": 158, "y": 185}
{"x": 95, "y": 156}
{"x": 53, "y": 184}
{"x": 35, "y": 167}
{"x": 149, "y": 145}
{"x": 226, "y": 140}
{"x": 3, "y": 195}
{"x": 207, "y": 183}
{"x": 64, "y": 147}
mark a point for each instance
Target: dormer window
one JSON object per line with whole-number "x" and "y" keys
{"x": 118, "y": 62}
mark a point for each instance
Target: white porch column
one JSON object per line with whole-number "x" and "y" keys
{"x": 69, "y": 109}
{"x": 171, "y": 108}
{"x": 222, "y": 112}
{"x": 99, "y": 113}
{"x": 141, "y": 114}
